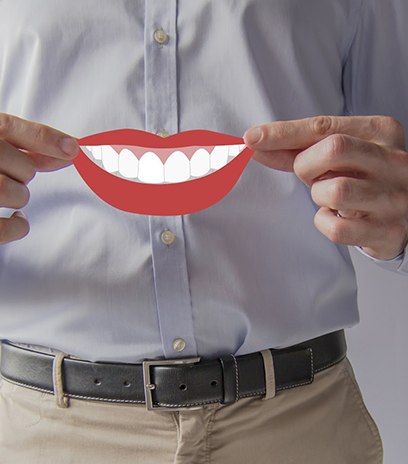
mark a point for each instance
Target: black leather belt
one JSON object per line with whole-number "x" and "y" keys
{"x": 177, "y": 383}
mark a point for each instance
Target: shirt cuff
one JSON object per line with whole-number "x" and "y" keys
{"x": 398, "y": 264}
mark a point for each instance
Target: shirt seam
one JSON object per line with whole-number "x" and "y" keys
{"x": 359, "y": 16}
{"x": 353, "y": 36}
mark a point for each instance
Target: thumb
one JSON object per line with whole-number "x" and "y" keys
{"x": 281, "y": 158}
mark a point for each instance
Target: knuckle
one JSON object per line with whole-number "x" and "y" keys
{"x": 26, "y": 170}
{"x": 5, "y": 122}
{"x": 339, "y": 192}
{"x": 300, "y": 167}
{"x": 375, "y": 124}
{"x": 322, "y": 125}
{"x": 337, "y": 145}
{"x": 316, "y": 194}
{"x": 13, "y": 194}
{"x": 391, "y": 125}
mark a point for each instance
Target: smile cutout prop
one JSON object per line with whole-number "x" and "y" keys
{"x": 140, "y": 172}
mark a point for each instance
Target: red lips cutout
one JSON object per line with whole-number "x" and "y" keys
{"x": 161, "y": 199}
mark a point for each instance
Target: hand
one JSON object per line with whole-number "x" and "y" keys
{"x": 25, "y": 148}
{"x": 357, "y": 169}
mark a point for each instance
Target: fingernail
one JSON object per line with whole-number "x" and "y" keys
{"x": 69, "y": 146}
{"x": 253, "y": 136}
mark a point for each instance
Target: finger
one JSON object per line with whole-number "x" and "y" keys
{"x": 349, "y": 194}
{"x": 16, "y": 164}
{"x": 13, "y": 194}
{"x": 302, "y": 133}
{"x": 13, "y": 228}
{"x": 44, "y": 163}
{"x": 365, "y": 232}
{"x": 356, "y": 231}
{"x": 341, "y": 153}
{"x": 37, "y": 137}
{"x": 282, "y": 160}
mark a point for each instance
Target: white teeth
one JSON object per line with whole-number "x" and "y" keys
{"x": 200, "y": 163}
{"x": 234, "y": 150}
{"x": 96, "y": 152}
{"x": 151, "y": 169}
{"x": 128, "y": 164}
{"x": 110, "y": 159}
{"x": 86, "y": 150}
{"x": 219, "y": 156}
{"x": 177, "y": 167}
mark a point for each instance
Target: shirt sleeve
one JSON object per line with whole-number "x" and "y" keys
{"x": 375, "y": 75}
{"x": 398, "y": 264}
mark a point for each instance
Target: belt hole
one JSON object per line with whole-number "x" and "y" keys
{"x": 183, "y": 387}
{"x": 126, "y": 384}
{"x": 214, "y": 383}
{"x": 97, "y": 382}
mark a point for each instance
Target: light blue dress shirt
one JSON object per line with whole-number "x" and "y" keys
{"x": 251, "y": 271}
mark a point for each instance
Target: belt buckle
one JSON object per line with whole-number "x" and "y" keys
{"x": 149, "y": 386}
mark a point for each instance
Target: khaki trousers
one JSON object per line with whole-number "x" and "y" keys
{"x": 325, "y": 422}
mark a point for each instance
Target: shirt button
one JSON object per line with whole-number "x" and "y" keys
{"x": 162, "y": 133}
{"x": 167, "y": 237}
{"x": 179, "y": 344}
{"x": 160, "y": 37}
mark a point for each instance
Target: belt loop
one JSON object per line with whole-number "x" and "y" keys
{"x": 230, "y": 378}
{"x": 270, "y": 384}
{"x": 62, "y": 401}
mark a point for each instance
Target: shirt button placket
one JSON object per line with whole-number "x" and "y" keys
{"x": 171, "y": 281}
{"x": 161, "y": 37}
{"x": 167, "y": 237}
{"x": 179, "y": 344}
{"x": 162, "y": 133}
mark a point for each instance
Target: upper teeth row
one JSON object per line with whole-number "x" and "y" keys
{"x": 150, "y": 169}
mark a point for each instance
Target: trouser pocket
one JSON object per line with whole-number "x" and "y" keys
{"x": 358, "y": 398}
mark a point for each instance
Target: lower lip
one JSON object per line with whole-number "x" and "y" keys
{"x": 161, "y": 199}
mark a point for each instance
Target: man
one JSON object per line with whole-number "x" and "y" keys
{"x": 91, "y": 292}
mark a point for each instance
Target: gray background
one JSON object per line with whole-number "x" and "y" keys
{"x": 376, "y": 350}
